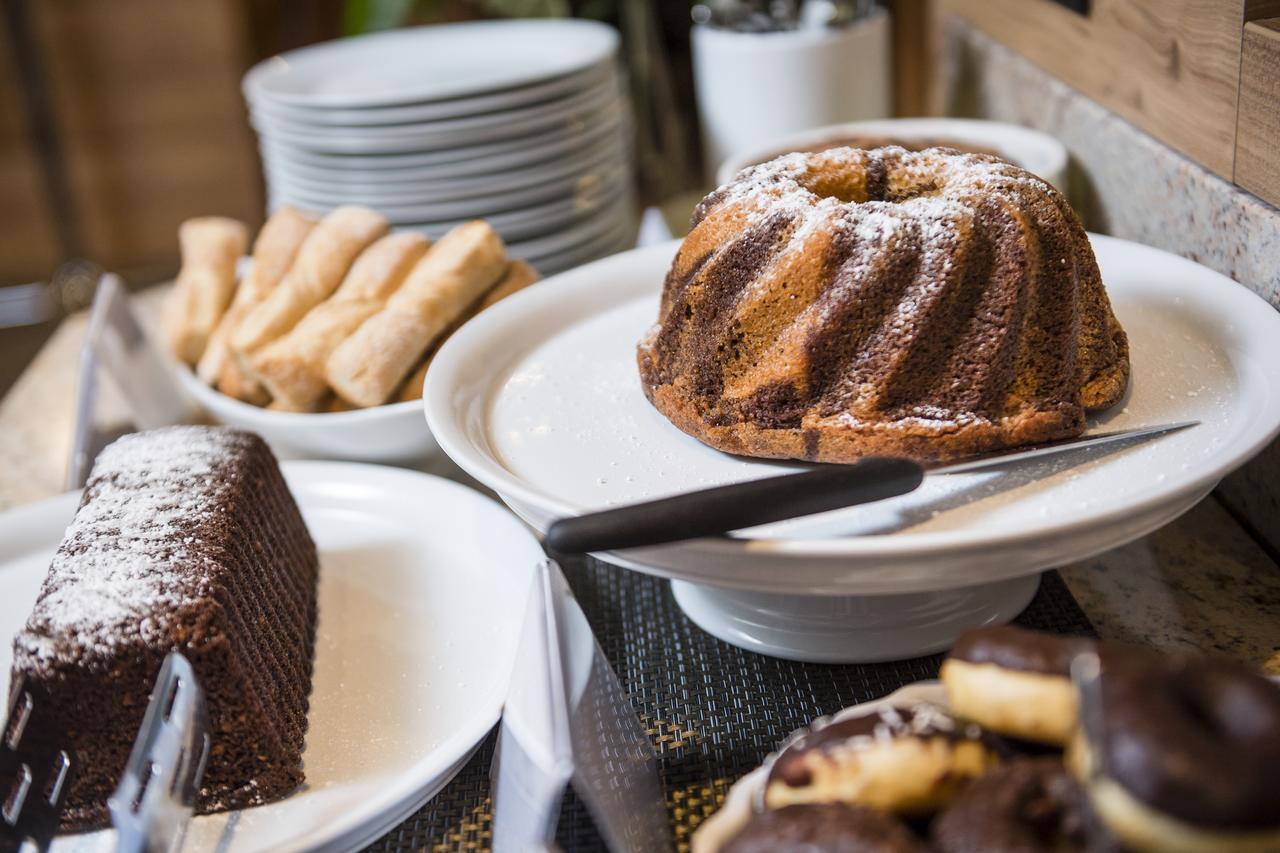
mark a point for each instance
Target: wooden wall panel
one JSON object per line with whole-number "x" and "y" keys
{"x": 1258, "y": 130}
{"x": 147, "y": 96}
{"x": 28, "y": 247}
{"x": 913, "y": 58}
{"x": 1172, "y": 68}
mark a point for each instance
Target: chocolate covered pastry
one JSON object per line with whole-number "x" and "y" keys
{"x": 1015, "y": 682}
{"x": 1181, "y": 753}
{"x": 909, "y": 759}
{"x": 826, "y": 827}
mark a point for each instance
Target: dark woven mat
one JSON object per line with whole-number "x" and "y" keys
{"x": 714, "y": 711}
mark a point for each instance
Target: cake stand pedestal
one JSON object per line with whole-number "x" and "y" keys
{"x": 851, "y": 629}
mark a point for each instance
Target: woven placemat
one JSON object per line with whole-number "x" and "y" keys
{"x": 714, "y": 711}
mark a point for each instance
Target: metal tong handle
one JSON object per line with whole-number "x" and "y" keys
{"x": 156, "y": 796}
{"x": 37, "y": 772}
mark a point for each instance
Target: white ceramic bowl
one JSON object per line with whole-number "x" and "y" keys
{"x": 393, "y": 434}
{"x": 1034, "y": 151}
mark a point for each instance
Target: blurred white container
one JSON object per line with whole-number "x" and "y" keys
{"x": 755, "y": 87}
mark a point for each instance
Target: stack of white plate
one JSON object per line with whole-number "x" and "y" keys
{"x": 523, "y": 123}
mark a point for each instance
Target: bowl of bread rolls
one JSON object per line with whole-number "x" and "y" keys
{"x": 320, "y": 340}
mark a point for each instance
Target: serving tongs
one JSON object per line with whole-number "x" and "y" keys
{"x": 721, "y": 509}
{"x": 35, "y": 771}
{"x": 153, "y": 803}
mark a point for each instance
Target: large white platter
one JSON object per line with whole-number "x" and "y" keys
{"x": 427, "y": 64}
{"x": 516, "y": 224}
{"x": 587, "y": 184}
{"x": 467, "y": 160}
{"x": 423, "y": 585}
{"x": 539, "y": 400}
{"x": 572, "y": 116}
{"x": 488, "y": 103}
{"x": 441, "y": 187}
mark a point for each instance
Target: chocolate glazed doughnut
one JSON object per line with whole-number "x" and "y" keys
{"x": 1024, "y": 807}
{"x": 1181, "y": 754}
{"x": 828, "y": 827}
{"x": 1015, "y": 682}
{"x": 910, "y": 760}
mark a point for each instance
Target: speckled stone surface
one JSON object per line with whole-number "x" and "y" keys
{"x": 1168, "y": 589}
{"x": 1128, "y": 184}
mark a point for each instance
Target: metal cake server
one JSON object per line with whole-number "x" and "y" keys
{"x": 157, "y": 794}
{"x": 34, "y": 773}
{"x": 718, "y": 510}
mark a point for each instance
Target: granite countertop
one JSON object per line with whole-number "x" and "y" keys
{"x": 1200, "y": 583}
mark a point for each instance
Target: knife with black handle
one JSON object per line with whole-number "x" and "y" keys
{"x": 718, "y": 510}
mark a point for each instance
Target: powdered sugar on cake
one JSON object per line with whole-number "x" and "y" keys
{"x": 129, "y": 556}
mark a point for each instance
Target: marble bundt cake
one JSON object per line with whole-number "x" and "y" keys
{"x": 186, "y": 538}
{"x": 848, "y": 303}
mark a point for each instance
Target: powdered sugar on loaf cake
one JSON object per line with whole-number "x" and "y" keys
{"x": 132, "y": 556}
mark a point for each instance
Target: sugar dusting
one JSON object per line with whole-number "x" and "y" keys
{"x": 938, "y": 187}
{"x": 942, "y": 183}
{"x": 129, "y": 557}
{"x": 890, "y": 723}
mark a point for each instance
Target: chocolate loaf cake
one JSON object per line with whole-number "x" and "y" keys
{"x": 186, "y": 538}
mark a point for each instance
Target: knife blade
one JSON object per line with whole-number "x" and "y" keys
{"x": 720, "y": 509}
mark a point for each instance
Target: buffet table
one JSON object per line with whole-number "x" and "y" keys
{"x": 713, "y": 710}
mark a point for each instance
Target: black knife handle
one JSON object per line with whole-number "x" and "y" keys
{"x": 710, "y": 512}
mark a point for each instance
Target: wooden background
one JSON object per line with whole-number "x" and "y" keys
{"x": 145, "y": 98}
{"x": 1202, "y": 76}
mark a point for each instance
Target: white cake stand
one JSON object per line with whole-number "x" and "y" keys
{"x": 538, "y": 398}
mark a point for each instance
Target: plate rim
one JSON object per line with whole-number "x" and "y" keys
{"x": 452, "y": 436}
{"x": 356, "y": 117}
{"x": 429, "y": 772}
{"x": 258, "y": 79}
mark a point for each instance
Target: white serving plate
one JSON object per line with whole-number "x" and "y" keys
{"x": 423, "y": 585}
{"x": 620, "y": 236}
{"x": 438, "y": 184}
{"x": 511, "y": 224}
{"x": 463, "y": 125}
{"x": 539, "y": 400}
{"x": 608, "y": 224}
{"x": 492, "y": 102}
{"x": 460, "y": 172}
{"x": 469, "y": 159}
{"x": 570, "y": 116}
{"x": 584, "y": 185}
{"x": 428, "y": 64}
{"x": 1038, "y": 153}
{"x": 392, "y": 433}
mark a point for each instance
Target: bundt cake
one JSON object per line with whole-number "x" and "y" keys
{"x": 848, "y": 303}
